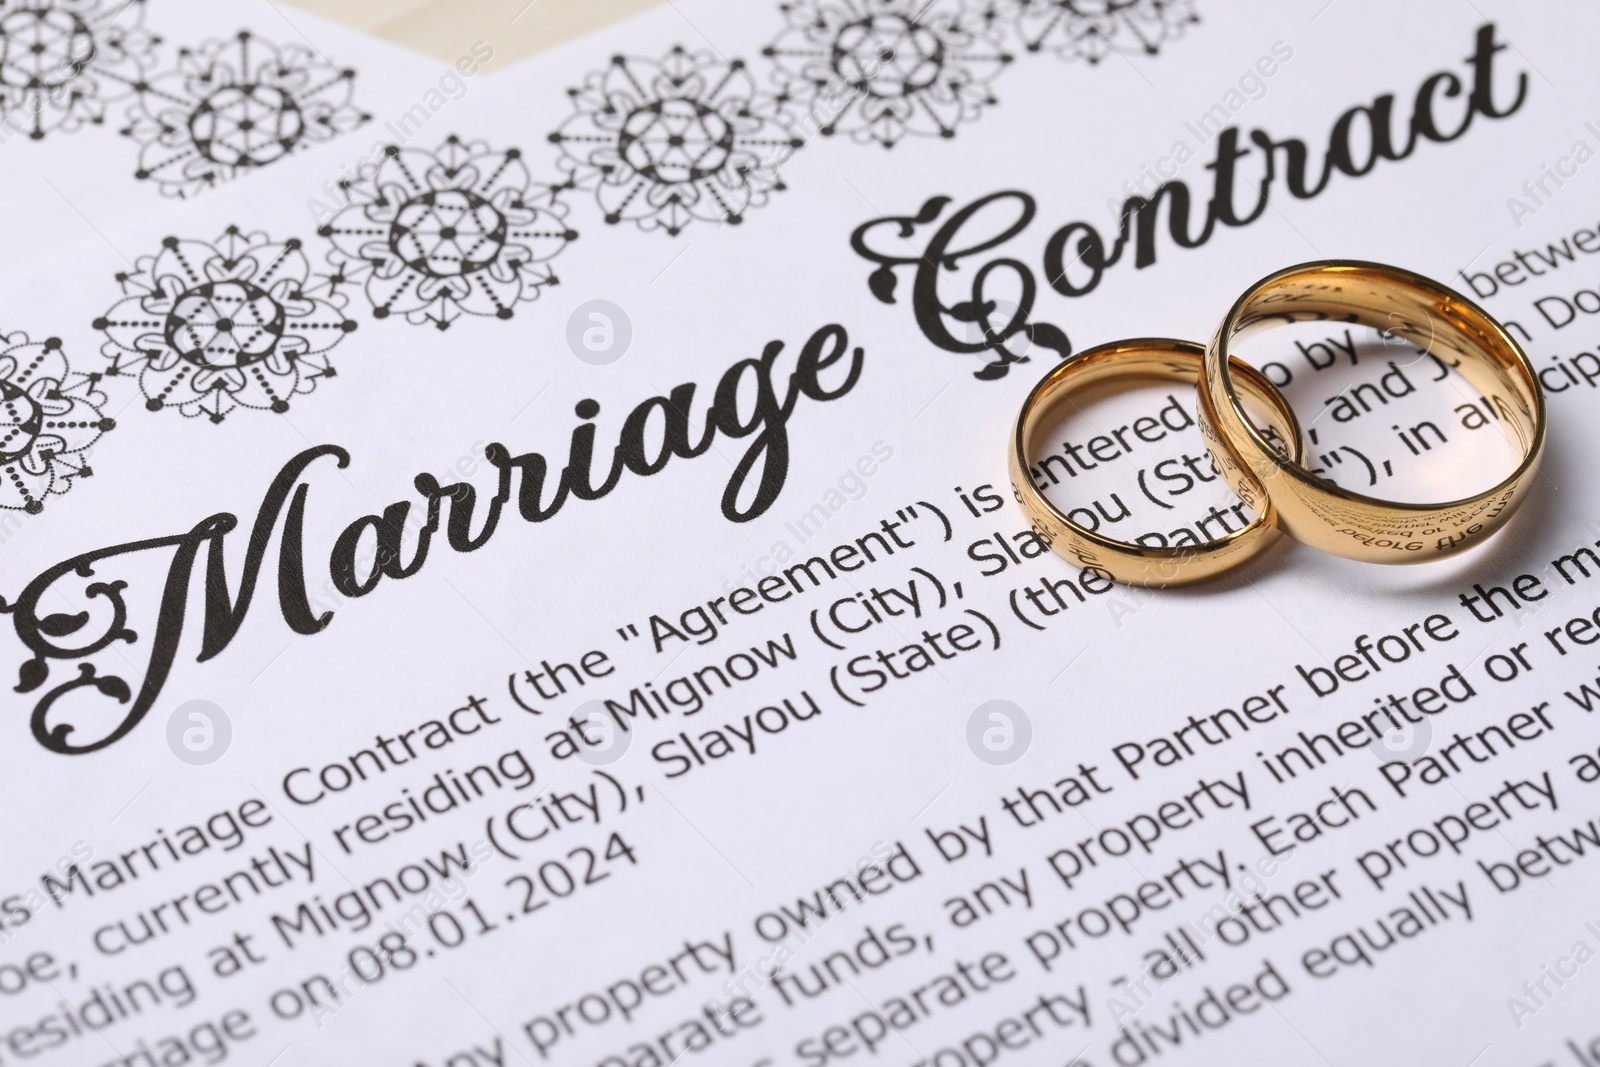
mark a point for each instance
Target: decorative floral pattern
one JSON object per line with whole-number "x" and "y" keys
{"x": 436, "y": 234}
{"x": 666, "y": 142}
{"x": 463, "y": 229}
{"x": 881, "y": 70}
{"x": 50, "y": 415}
{"x": 232, "y": 106}
{"x": 62, "y": 61}
{"x": 1093, "y": 29}
{"x": 211, "y": 327}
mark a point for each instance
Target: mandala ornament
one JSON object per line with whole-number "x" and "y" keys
{"x": 213, "y": 326}
{"x": 433, "y": 235}
{"x": 50, "y": 416}
{"x": 881, "y": 70}
{"x": 666, "y": 142}
{"x": 1094, "y": 29}
{"x": 233, "y": 106}
{"x": 63, "y": 61}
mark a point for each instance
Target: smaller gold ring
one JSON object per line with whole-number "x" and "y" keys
{"x": 1147, "y": 358}
{"x": 1436, "y": 319}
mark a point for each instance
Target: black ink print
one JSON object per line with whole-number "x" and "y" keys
{"x": 1094, "y": 29}
{"x": 63, "y": 61}
{"x": 880, "y": 70}
{"x": 433, "y": 235}
{"x": 1246, "y": 170}
{"x": 83, "y": 606}
{"x": 50, "y": 417}
{"x": 665, "y": 142}
{"x": 210, "y": 327}
{"x": 233, "y": 106}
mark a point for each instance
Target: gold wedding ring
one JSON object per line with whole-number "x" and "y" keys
{"x": 1436, "y": 319}
{"x": 1161, "y": 359}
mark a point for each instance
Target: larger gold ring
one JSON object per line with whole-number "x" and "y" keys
{"x": 1161, "y": 359}
{"x": 1429, "y": 315}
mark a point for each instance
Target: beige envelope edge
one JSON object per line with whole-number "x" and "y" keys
{"x": 446, "y": 29}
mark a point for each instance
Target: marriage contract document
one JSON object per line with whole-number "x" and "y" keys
{"x": 519, "y": 568}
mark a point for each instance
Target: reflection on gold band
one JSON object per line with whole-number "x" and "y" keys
{"x": 1438, "y": 320}
{"x": 1161, "y": 359}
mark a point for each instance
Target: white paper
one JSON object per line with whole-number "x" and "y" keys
{"x": 798, "y": 829}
